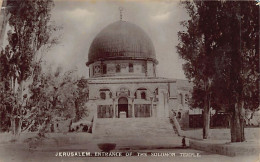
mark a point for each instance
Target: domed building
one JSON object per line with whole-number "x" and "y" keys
{"x": 122, "y": 49}
{"x": 123, "y": 81}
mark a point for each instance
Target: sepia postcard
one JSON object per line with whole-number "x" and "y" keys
{"x": 129, "y": 80}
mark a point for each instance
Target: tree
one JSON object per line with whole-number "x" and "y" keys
{"x": 6, "y": 100}
{"x": 55, "y": 96}
{"x": 28, "y": 39}
{"x": 238, "y": 62}
{"x": 80, "y": 98}
{"x": 196, "y": 47}
{"x": 230, "y": 38}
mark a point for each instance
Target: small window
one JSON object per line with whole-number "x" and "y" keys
{"x": 131, "y": 67}
{"x": 103, "y": 95}
{"x": 143, "y": 68}
{"x": 143, "y": 95}
{"x": 97, "y": 69}
{"x": 104, "y": 68}
{"x": 186, "y": 99}
{"x": 118, "y": 68}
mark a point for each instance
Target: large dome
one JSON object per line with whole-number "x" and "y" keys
{"x": 121, "y": 40}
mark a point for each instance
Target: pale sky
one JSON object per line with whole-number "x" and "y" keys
{"x": 83, "y": 20}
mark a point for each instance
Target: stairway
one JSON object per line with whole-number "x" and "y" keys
{"x": 133, "y": 128}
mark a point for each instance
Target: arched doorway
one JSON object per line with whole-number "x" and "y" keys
{"x": 122, "y": 106}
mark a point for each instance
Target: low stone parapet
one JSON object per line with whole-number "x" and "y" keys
{"x": 224, "y": 148}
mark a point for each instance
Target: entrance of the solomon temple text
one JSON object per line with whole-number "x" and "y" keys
{"x": 123, "y": 107}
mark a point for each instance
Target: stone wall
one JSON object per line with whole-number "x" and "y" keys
{"x": 62, "y": 126}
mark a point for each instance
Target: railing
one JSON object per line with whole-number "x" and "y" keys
{"x": 94, "y": 124}
{"x": 176, "y": 124}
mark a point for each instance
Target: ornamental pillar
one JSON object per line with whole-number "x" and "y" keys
{"x": 151, "y": 107}
{"x": 133, "y": 107}
{"x": 114, "y": 109}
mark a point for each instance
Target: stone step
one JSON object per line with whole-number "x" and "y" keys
{"x": 134, "y": 128}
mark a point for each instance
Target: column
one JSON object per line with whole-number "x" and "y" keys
{"x": 133, "y": 108}
{"x": 114, "y": 109}
{"x": 152, "y": 115}
{"x": 160, "y": 106}
{"x": 166, "y": 105}
{"x": 151, "y": 107}
{"x": 182, "y": 99}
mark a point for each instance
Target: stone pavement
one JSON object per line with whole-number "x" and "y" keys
{"x": 121, "y": 144}
{"x": 85, "y": 142}
{"x": 143, "y": 143}
{"x": 168, "y": 140}
{"x": 88, "y": 142}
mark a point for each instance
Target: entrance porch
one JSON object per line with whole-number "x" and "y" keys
{"x": 124, "y": 109}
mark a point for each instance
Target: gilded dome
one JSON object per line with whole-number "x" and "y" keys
{"x": 121, "y": 40}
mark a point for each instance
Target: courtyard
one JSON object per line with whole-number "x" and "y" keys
{"x": 30, "y": 148}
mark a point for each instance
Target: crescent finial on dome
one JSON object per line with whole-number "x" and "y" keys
{"x": 121, "y": 13}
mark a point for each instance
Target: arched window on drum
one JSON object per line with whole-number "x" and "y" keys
{"x": 131, "y": 67}
{"x": 118, "y": 68}
{"x": 104, "y": 68}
